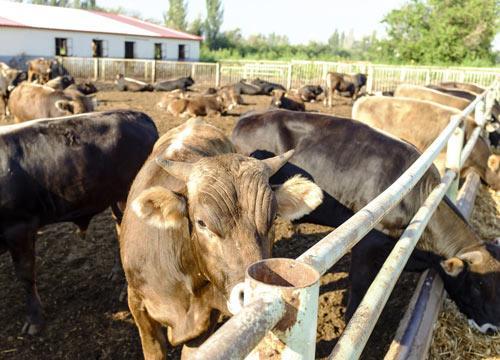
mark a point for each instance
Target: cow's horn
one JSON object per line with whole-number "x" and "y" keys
{"x": 275, "y": 163}
{"x": 177, "y": 169}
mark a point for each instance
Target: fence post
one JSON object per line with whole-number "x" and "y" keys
{"x": 193, "y": 70}
{"x": 96, "y": 68}
{"x": 369, "y": 81}
{"x": 153, "y": 71}
{"x": 217, "y": 74}
{"x": 289, "y": 77}
{"x": 428, "y": 77}
{"x": 103, "y": 72}
{"x": 298, "y": 285}
{"x": 325, "y": 71}
{"x": 453, "y": 155}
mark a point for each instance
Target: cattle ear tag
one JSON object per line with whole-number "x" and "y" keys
{"x": 453, "y": 266}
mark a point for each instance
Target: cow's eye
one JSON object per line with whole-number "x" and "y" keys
{"x": 201, "y": 223}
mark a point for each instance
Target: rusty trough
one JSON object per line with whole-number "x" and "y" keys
{"x": 278, "y": 317}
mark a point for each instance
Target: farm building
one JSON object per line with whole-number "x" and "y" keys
{"x": 28, "y": 31}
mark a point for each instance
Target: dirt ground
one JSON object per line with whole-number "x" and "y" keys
{"x": 85, "y": 319}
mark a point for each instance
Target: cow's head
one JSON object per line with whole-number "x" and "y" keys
{"x": 189, "y": 81}
{"x": 278, "y": 96}
{"x": 231, "y": 208}
{"x": 472, "y": 280}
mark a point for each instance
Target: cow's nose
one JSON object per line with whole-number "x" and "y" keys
{"x": 236, "y": 298}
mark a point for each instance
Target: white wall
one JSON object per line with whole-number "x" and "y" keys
{"x": 36, "y": 42}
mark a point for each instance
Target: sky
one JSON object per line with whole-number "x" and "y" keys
{"x": 301, "y": 20}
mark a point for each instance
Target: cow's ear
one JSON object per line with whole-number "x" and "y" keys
{"x": 452, "y": 266}
{"x": 494, "y": 162}
{"x": 160, "y": 208}
{"x": 65, "y": 105}
{"x": 298, "y": 197}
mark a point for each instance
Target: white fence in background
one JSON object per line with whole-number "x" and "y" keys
{"x": 256, "y": 331}
{"x": 291, "y": 74}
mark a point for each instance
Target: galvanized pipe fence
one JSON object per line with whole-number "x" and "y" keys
{"x": 291, "y": 74}
{"x": 257, "y": 325}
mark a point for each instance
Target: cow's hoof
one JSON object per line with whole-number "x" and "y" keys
{"x": 31, "y": 329}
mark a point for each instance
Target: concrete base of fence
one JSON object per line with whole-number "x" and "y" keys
{"x": 294, "y": 337}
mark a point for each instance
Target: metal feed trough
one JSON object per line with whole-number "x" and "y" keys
{"x": 281, "y": 295}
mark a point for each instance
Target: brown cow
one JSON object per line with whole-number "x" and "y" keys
{"x": 230, "y": 97}
{"x": 7, "y": 77}
{"x": 41, "y": 68}
{"x": 197, "y": 215}
{"x": 424, "y": 93}
{"x": 463, "y": 86}
{"x": 283, "y": 101}
{"x": 32, "y": 101}
{"x": 196, "y": 106}
{"x": 420, "y": 122}
{"x": 343, "y": 83}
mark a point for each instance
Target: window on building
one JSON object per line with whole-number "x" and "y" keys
{"x": 62, "y": 47}
{"x": 158, "y": 52}
{"x": 97, "y": 48}
{"x": 182, "y": 52}
{"x": 129, "y": 49}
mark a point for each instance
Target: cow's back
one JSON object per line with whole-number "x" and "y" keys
{"x": 31, "y": 101}
{"x": 66, "y": 168}
{"x": 423, "y": 93}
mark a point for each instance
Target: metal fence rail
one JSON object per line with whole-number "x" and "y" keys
{"x": 291, "y": 74}
{"x": 332, "y": 247}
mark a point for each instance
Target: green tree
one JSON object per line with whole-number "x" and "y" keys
{"x": 334, "y": 40}
{"x": 442, "y": 31}
{"x": 215, "y": 14}
{"x": 196, "y": 26}
{"x": 175, "y": 17}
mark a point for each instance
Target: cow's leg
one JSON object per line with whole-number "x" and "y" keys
{"x": 154, "y": 342}
{"x": 21, "y": 244}
{"x": 367, "y": 258}
{"x": 116, "y": 273}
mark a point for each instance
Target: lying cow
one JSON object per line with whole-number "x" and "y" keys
{"x": 244, "y": 88}
{"x": 464, "y": 94}
{"x": 283, "y": 101}
{"x": 230, "y": 97}
{"x": 192, "y": 227}
{"x": 41, "y": 68}
{"x": 182, "y": 83}
{"x": 66, "y": 172}
{"x": 196, "y": 106}
{"x": 60, "y": 82}
{"x": 343, "y": 83}
{"x": 353, "y": 163}
{"x": 32, "y": 101}
{"x": 266, "y": 87}
{"x": 420, "y": 122}
{"x": 423, "y": 93}
{"x": 310, "y": 93}
{"x": 128, "y": 84}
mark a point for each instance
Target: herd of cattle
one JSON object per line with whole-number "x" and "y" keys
{"x": 195, "y": 208}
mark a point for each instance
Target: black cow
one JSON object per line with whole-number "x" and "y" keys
{"x": 310, "y": 93}
{"x": 267, "y": 87}
{"x": 353, "y": 163}
{"x": 182, "y": 83}
{"x": 64, "y": 169}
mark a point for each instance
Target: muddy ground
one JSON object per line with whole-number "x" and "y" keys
{"x": 85, "y": 319}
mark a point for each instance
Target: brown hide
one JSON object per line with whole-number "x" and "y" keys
{"x": 419, "y": 122}
{"x": 463, "y": 86}
{"x": 31, "y": 101}
{"x": 196, "y": 106}
{"x": 423, "y": 93}
{"x": 41, "y": 68}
